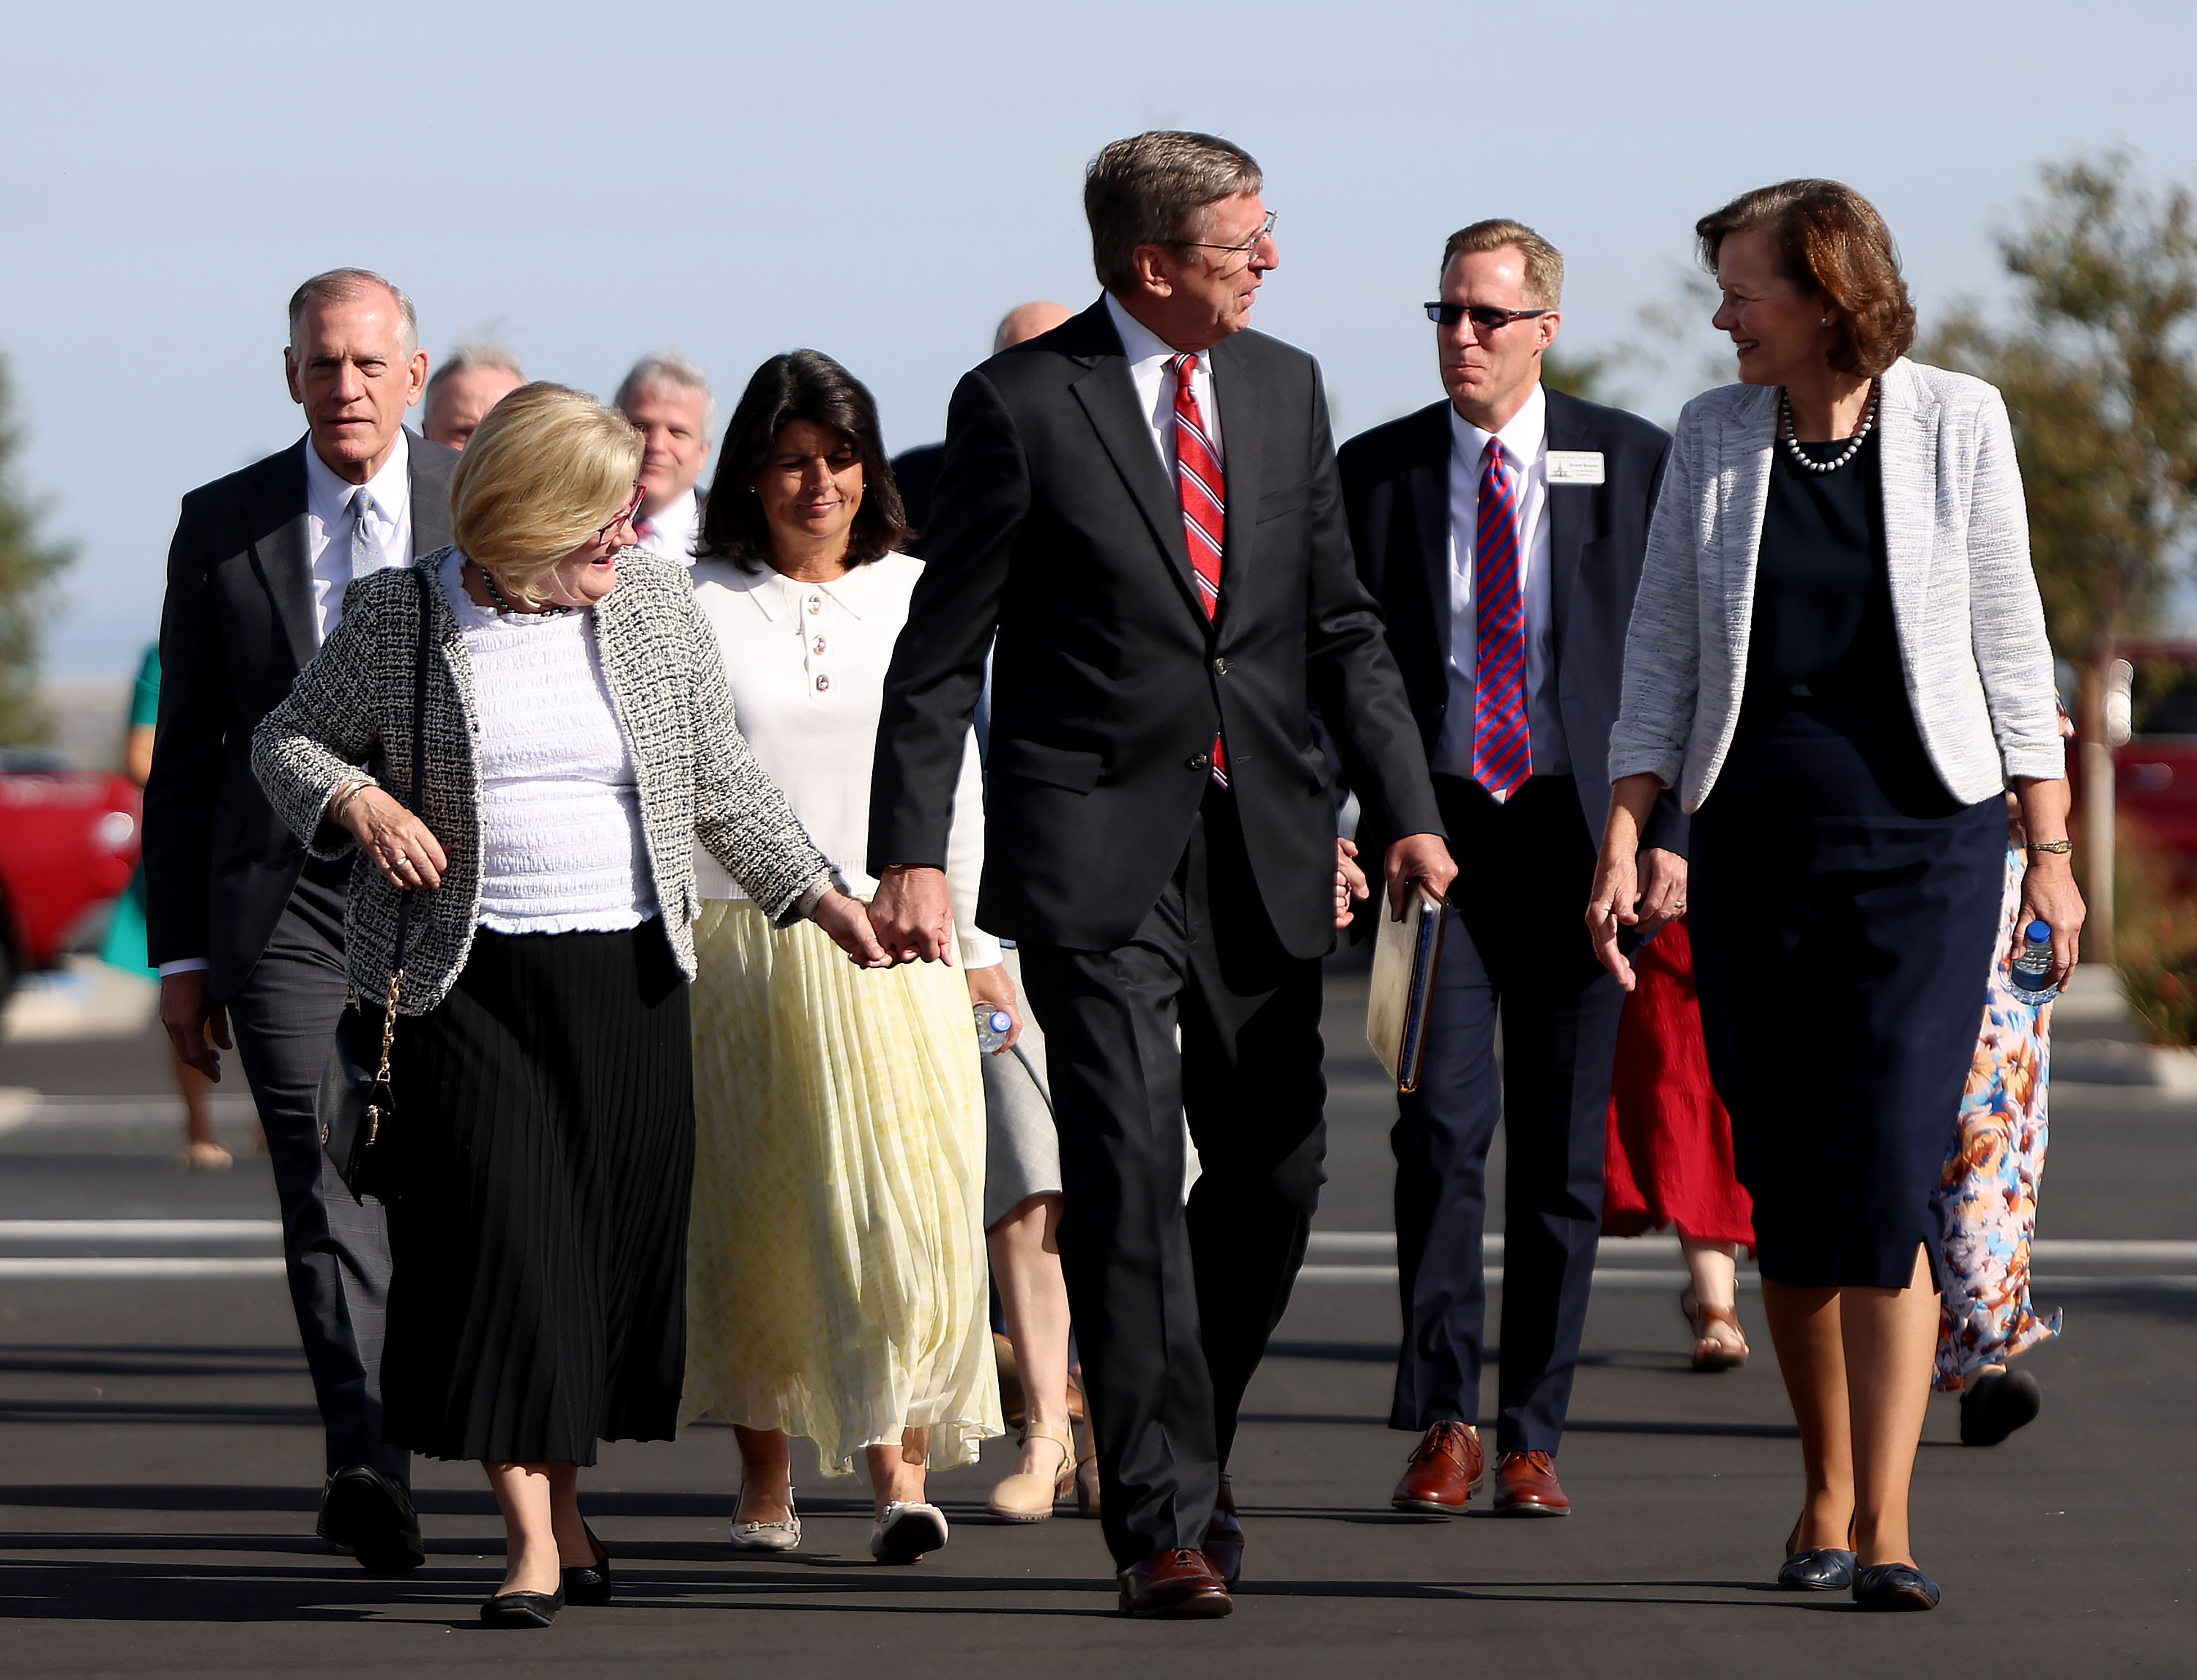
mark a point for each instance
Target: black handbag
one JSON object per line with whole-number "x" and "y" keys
{"x": 355, "y": 1106}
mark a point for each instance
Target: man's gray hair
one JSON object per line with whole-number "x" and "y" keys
{"x": 669, "y": 367}
{"x": 468, "y": 355}
{"x": 341, "y": 285}
{"x": 1149, "y": 189}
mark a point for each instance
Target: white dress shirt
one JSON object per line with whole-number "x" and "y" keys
{"x": 1149, "y": 355}
{"x": 673, "y": 532}
{"x": 806, "y": 663}
{"x": 1525, "y": 443}
{"x": 327, "y": 526}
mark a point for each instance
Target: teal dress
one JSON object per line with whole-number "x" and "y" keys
{"x": 125, "y": 945}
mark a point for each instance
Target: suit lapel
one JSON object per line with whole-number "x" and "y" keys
{"x": 1907, "y": 423}
{"x": 1243, "y": 427}
{"x": 1428, "y": 483}
{"x": 1108, "y": 396}
{"x": 431, "y": 496}
{"x": 284, "y": 566}
{"x": 1568, "y": 516}
{"x": 1743, "y": 501}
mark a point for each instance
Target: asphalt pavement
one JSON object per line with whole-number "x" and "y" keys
{"x": 159, "y": 1459}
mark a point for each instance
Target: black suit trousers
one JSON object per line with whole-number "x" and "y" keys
{"x": 1516, "y": 945}
{"x": 1174, "y": 1305}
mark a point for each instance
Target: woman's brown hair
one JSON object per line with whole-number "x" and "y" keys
{"x": 1829, "y": 241}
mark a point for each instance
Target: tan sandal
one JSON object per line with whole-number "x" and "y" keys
{"x": 1028, "y": 1497}
{"x": 1713, "y": 1352}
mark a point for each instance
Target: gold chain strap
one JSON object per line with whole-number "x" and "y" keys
{"x": 389, "y": 1023}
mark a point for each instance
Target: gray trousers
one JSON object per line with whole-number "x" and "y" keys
{"x": 336, "y": 1249}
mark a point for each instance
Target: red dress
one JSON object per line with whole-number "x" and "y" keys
{"x": 1667, "y": 1159}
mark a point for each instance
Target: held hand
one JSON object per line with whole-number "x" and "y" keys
{"x": 993, "y": 985}
{"x": 2048, "y": 895}
{"x": 847, "y": 924}
{"x": 1662, "y": 889}
{"x": 912, "y": 915}
{"x": 1610, "y": 907}
{"x": 192, "y": 1020}
{"x": 396, "y": 842}
{"x": 1422, "y": 858}
{"x": 1349, "y": 881}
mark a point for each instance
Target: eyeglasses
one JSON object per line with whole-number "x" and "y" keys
{"x": 1484, "y": 316}
{"x": 623, "y": 513}
{"x": 1265, "y": 232}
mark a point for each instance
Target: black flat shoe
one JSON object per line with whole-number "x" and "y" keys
{"x": 1894, "y": 1586}
{"x": 1996, "y": 1406}
{"x": 523, "y": 1609}
{"x": 1826, "y": 1569}
{"x": 370, "y": 1516}
{"x": 590, "y": 1582}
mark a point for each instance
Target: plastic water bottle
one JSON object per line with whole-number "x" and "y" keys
{"x": 993, "y": 1026}
{"x": 2026, "y": 979}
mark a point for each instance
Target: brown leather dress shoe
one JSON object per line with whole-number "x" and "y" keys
{"x": 1444, "y": 1473}
{"x": 1224, "y": 1536}
{"x": 1179, "y": 1583}
{"x": 1526, "y": 1484}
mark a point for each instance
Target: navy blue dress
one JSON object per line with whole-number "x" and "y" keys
{"x": 1844, "y": 906}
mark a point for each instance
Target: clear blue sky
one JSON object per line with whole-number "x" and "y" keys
{"x": 880, "y": 182}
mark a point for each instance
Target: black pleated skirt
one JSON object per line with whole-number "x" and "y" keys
{"x": 1843, "y": 912}
{"x": 545, "y": 1145}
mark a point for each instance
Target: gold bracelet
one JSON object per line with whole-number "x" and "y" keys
{"x": 2057, "y": 848}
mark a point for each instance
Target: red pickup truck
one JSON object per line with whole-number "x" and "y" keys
{"x": 68, "y": 843}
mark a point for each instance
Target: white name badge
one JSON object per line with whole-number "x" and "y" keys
{"x": 1575, "y": 467}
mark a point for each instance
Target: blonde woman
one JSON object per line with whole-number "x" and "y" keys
{"x": 577, "y": 739}
{"x": 836, "y": 1266}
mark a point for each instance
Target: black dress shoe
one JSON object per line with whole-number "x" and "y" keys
{"x": 523, "y": 1609}
{"x": 590, "y": 1582}
{"x": 371, "y": 1517}
{"x": 1894, "y": 1586}
{"x": 1994, "y": 1406}
{"x": 1826, "y": 1569}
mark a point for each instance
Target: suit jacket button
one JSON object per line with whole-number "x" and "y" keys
{"x": 1221, "y": 668}
{"x": 1199, "y": 762}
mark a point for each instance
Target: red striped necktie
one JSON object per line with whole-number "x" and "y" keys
{"x": 1198, "y": 482}
{"x": 1502, "y": 746}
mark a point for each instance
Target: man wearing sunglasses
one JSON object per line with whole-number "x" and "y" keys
{"x": 1503, "y": 530}
{"x": 1142, "y": 503}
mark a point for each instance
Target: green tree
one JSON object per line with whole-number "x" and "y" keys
{"x": 28, "y": 565}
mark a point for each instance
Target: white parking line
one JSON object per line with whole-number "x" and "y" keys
{"x": 1364, "y": 1245}
{"x": 106, "y": 1270}
{"x": 140, "y": 1230}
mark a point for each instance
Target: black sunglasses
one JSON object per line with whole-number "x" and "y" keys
{"x": 1484, "y": 316}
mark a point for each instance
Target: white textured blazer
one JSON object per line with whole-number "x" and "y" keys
{"x": 1971, "y": 628}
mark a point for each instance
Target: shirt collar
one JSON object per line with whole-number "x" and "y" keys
{"x": 1522, "y": 439}
{"x": 1145, "y": 347}
{"x": 328, "y": 495}
{"x": 773, "y": 592}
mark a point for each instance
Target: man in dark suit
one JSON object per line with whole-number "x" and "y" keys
{"x": 1502, "y": 530}
{"x": 1143, "y": 504}
{"x": 246, "y": 932}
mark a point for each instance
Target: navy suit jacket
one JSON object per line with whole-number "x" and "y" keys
{"x": 1395, "y": 493}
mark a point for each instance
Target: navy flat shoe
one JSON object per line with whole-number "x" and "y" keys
{"x": 1894, "y": 1586}
{"x": 523, "y": 1609}
{"x": 1827, "y": 1569}
{"x": 589, "y": 1583}
{"x": 1998, "y": 1404}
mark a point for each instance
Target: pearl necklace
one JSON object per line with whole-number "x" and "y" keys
{"x": 1800, "y": 457}
{"x": 503, "y": 606}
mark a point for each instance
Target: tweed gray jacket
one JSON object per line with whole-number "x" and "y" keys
{"x": 1971, "y": 628}
{"x": 352, "y": 705}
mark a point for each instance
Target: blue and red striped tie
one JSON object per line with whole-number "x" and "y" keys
{"x": 1502, "y": 746}
{"x": 1198, "y": 482}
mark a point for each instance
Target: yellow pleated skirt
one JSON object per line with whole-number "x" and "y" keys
{"x": 836, "y": 1279}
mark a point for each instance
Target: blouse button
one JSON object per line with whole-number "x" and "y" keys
{"x": 823, "y": 685}
{"x": 817, "y": 645}
{"x": 815, "y": 603}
